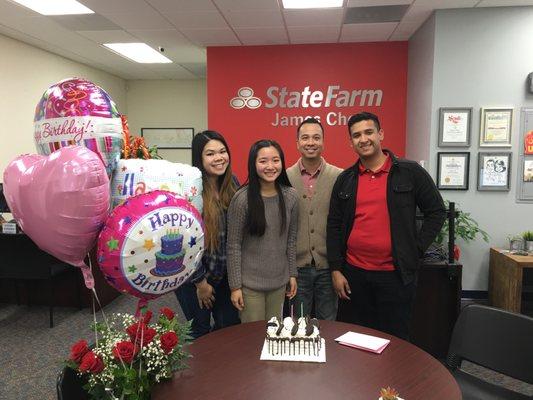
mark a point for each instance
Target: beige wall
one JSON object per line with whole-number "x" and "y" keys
{"x": 167, "y": 104}
{"x": 25, "y": 73}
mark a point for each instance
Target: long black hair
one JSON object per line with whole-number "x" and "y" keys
{"x": 215, "y": 199}
{"x": 255, "y": 217}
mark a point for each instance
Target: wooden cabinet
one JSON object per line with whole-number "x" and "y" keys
{"x": 506, "y": 278}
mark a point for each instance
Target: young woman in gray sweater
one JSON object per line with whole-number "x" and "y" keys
{"x": 262, "y": 225}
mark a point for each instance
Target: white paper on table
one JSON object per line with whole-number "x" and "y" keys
{"x": 363, "y": 342}
{"x": 320, "y": 358}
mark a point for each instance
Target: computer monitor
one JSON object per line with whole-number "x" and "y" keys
{"x": 3, "y": 203}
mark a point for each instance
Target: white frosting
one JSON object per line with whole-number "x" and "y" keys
{"x": 271, "y": 330}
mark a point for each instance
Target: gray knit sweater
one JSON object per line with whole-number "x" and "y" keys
{"x": 262, "y": 263}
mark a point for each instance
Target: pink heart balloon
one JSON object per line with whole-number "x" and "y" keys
{"x": 60, "y": 201}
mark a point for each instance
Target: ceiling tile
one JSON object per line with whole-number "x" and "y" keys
{"x": 405, "y": 30}
{"x": 244, "y": 5}
{"x": 198, "y": 69}
{"x": 10, "y": 10}
{"x": 329, "y": 17}
{"x": 117, "y": 6}
{"x": 177, "y": 6}
{"x": 171, "y": 71}
{"x": 212, "y": 37}
{"x": 108, "y": 36}
{"x": 254, "y": 19}
{"x": 88, "y": 22}
{"x": 417, "y": 14}
{"x": 262, "y": 36}
{"x": 315, "y": 34}
{"x": 178, "y": 48}
{"x": 196, "y": 19}
{"x": 504, "y": 3}
{"x": 372, "y": 3}
{"x": 151, "y": 20}
{"x": 367, "y": 32}
{"x": 438, "y": 4}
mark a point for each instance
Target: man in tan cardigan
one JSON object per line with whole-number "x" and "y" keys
{"x": 313, "y": 178}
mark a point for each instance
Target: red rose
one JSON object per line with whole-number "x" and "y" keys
{"x": 91, "y": 363}
{"x": 147, "y": 317}
{"x": 167, "y": 312}
{"x": 125, "y": 351}
{"x": 139, "y": 331}
{"x": 78, "y": 351}
{"x": 169, "y": 340}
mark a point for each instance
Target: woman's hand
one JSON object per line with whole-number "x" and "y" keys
{"x": 237, "y": 300}
{"x": 206, "y": 294}
{"x": 292, "y": 288}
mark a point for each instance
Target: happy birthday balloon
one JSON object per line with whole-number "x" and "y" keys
{"x": 136, "y": 176}
{"x": 76, "y": 111}
{"x": 151, "y": 244}
{"x": 60, "y": 201}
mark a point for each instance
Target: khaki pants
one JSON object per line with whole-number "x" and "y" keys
{"x": 261, "y": 305}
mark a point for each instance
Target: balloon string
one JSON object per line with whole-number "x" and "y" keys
{"x": 94, "y": 318}
{"x": 95, "y": 296}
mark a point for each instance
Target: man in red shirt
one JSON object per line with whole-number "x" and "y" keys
{"x": 372, "y": 243}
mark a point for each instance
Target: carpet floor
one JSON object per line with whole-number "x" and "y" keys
{"x": 31, "y": 354}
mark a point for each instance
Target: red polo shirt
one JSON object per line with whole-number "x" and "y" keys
{"x": 369, "y": 245}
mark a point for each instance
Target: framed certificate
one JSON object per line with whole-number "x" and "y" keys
{"x": 494, "y": 171}
{"x": 168, "y": 138}
{"x": 496, "y": 126}
{"x": 454, "y": 127}
{"x": 452, "y": 171}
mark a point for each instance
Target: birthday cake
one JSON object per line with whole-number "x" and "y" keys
{"x": 294, "y": 340}
{"x": 169, "y": 260}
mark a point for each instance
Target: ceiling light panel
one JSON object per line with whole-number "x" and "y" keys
{"x": 138, "y": 52}
{"x": 291, "y": 4}
{"x": 55, "y": 7}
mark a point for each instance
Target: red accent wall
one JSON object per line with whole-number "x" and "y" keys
{"x": 340, "y": 69}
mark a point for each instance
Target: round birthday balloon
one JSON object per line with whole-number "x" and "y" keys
{"x": 151, "y": 244}
{"x": 76, "y": 111}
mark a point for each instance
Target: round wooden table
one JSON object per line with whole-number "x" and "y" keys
{"x": 226, "y": 365}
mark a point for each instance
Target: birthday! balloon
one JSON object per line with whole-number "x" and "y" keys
{"x": 76, "y": 111}
{"x": 136, "y": 176}
{"x": 151, "y": 244}
{"x": 60, "y": 201}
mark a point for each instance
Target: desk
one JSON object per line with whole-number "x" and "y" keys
{"x": 226, "y": 365}
{"x": 22, "y": 260}
{"x": 505, "y": 279}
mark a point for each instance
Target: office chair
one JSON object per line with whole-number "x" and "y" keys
{"x": 70, "y": 386}
{"x": 495, "y": 339}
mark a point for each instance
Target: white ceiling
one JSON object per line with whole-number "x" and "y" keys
{"x": 184, "y": 28}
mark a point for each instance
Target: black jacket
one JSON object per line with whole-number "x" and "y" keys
{"x": 408, "y": 186}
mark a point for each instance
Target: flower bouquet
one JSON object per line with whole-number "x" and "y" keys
{"x": 130, "y": 355}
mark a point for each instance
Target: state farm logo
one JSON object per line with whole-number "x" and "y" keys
{"x": 245, "y": 98}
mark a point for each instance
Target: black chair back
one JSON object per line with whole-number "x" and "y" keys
{"x": 493, "y": 338}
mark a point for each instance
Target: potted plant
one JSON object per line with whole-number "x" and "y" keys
{"x": 466, "y": 228}
{"x": 389, "y": 394}
{"x": 528, "y": 239}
